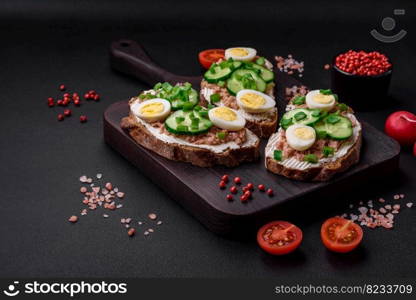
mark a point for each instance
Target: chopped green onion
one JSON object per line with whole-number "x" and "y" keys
{"x": 316, "y": 113}
{"x": 221, "y": 135}
{"x": 321, "y": 134}
{"x": 326, "y": 92}
{"x": 157, "y": 86}
{"x": 195, "y": 121}
{"x": 203, "y": 113}
{"x": 183, "y": 128}
{"x": 332, "y": 119}
{"x": 335, "y": 96}
{"x": 187, "y": 106}
{"x": 179, "y": 119}
{"x": 260, "y": 61}
{"x": 300, "y": 116}
{"x": 187, "y": 85}
{"x": 142, "y": 96}
{"x": 277, "y": 155}
{"x": 221, "y": 83}
{"x": 166, "y": 86}
{"x": 197, "y": 108}
{"x": 210, "y": 106}
{"x": 327, "y": 151}
{"x": 342, "y": 106}
{"x": 215, "y": 98}
{"x": 311, "y": 158}
{"x": 285, "y": 123}
{"x": 299, "y": 100}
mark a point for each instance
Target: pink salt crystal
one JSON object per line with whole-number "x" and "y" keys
{"x": 382, "y": 210}
{"x": 409, "y": 205}
{"x": 109, "y": 186}
{"x": 120, "y": 194}
{"x": 381, "y": 200}
{"x": 388, "y": 207}
{"x": 96, "y": 189}
{"x": 83, "y": 189}
{"x": 73, "y": 219}
{"x": 396, "y": 206}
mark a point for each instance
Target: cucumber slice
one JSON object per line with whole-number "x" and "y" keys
{"x": 216, "y": 73}
{"x": 299, "y": 116}
{"x": 234, "y": 86}
{"x": 245, "y": 79}
{"x": 265, "y": 73}
{"x": 187, "y": 122}
{"x": 340, "y": 130}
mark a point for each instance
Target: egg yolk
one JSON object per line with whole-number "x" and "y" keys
{"x": 239, "y": 52}
{"x": 252, "y": 100}
{"x": 151, "y": 109}
{"x": 323, "y": 99}
{"x": 303, "y": 133}
{"x": 225, "y": 114}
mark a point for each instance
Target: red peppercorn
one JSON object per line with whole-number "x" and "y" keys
{"x": 74, "y": 95}
{"x": 250, "y": 186}
{"x": 243, "y": 198}
{"x": 224, "y": 178}
{"x": 363, "y": 63}
{"x": 86, "y": 96}
{"x": 245, "y": 189}
{"x": 50, "y": 99}
{"x": 61, "y": 117}
{"x": 96, "y": 97}
{"x": 83, "y": 119}
{"x": 67, "y": 112}
{"x": 59, "y": 102}
{"x": 77, "y": 103}
{"x": 247, "y": 194}
{"x": 270, "y": 192}
{"x": 51, "y": 104}
{"x": 91, "y": 92}
{"x": 66, "y": 95}
{"x": 233, "y": 189}
{"x": 261, "y": 187}
{"x": 222, "y": 185}
{"x": 62, "y": 87}
{"x": 237, "y": 180}
{"x": 229, "y": 197}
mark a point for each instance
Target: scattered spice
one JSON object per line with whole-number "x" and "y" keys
{"x": 73, "y": 219}
{"x": 289, "y": 65}
{"x": 295, "y": 90}
{"x": 382, "y": 216}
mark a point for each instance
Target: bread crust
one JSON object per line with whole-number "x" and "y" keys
{"x": 322, "y": 173}
{"x": 263, "y": 129}
{"x": 197, "y": 156}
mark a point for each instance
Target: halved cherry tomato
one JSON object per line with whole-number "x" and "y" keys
{"x": 208, "y": 57}
{"x": 279, "y": 237}
{"x": 341, "y": 235}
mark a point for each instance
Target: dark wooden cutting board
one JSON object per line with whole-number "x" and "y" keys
{"x": 196, "y": 189}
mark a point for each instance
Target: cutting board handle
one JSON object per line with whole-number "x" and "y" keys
{"x": 130, "y": 58}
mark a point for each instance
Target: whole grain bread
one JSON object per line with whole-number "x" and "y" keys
{"x": 197, "y": 156}
{"x": 322, "y": 173}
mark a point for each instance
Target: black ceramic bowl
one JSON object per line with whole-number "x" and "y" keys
{"x": 361, "y": 92}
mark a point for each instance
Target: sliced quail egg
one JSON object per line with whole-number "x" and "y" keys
{"x": 240, "y": 53}
{"x": 316, "y": 99}
{"x": 300, "y": 137}
{"x": 152, "y": 110}
{"x": 254, "y": 102}
{"x": 226, "y": 118}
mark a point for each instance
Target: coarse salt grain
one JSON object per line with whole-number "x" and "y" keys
{"x": 152, "y": 216}
{"x": 120, "y": 194}
{"x": 150, "y": 230}
{"x": 83, "y": 189}
{"x": 409, "y": 204}
{"x": 105, "y": 215}
{"x": 73, "y": 219}
{"x": 99, "y": 176}
{"x": 159, "y": 222}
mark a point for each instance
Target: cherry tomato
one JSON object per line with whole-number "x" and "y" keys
{"x": 401, "y": 126}
{"x": 341, "y": 235}
{"x": 279, "y": 237}
{"x": 210, "y": 56}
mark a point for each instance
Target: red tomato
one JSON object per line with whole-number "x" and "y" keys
{"x": 401, "y": 126}
{"x": 341, "y": 235}
{"x": 279, "y": 237}
{"x": 208, "y": 57}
